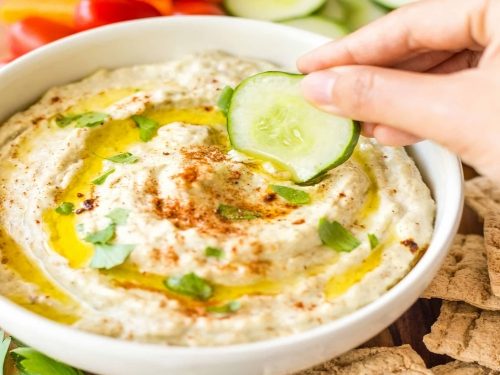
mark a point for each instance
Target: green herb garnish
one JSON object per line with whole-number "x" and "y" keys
{"x": 102, "y": 179}
{"x": 147, "y": 127}
{"x": 228, "y": 308}
{"x": 292, "y": 195}
{"x": 109, "y": 256}
{"x": 234, "y": 213}
{"x": 214, "y": 252}
{"x": 225, "y": 99}
{"x": 30, "y": 362}
{"x": 190, "y": 285}
{"x": 374, "y": 242}
{"x": 102, "y": 236}
{"x": 336, "y": 237}
{"x": 64, "y": 121}
{"x": 125, "y": 158}
{"x": 66, "y": 208}
{"x": 119, "y": 216}
{"x": 4, "y": 349}
{"x": 91, "y": 119}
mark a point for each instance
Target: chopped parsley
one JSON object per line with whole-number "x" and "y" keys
{"x": 190, "y": 285}
{"x": 234, "y": 213}
{"x": 292, "y": 195}
{"x": 336, "y": 237}
{"x": 84, "y": 120}
{"x": 109, "y": 256}
{"x": 65, "y": 208}
{"x": 147, "y": 127}
{"x": 124, "y": 158}
{"x": 225, "y": 99}
{"x": 228, "y": 308}
{"x": 102, "y": 236}
{"x": 4, "y": 349}
{"x": 119, "y": 216}
{"x": 374, "y": 242}
{"x": 214, "y": 252}
{"x": 30, "y": 362}
{"x": 102, "y": 179}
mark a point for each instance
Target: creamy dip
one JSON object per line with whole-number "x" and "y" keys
{"x": 272, "y": 271}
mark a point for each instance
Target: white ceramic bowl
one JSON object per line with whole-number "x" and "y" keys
{"x": 156, "y": 40}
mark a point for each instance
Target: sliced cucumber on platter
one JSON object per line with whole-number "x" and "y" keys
{"x": 269, "y": 119}
{"x": 393, "y": 4}
{"x": 333, "y": 9}
{"x": 272, "y": 10}
{"x": 362, "y": 12}
{"x": 319, "y": 25}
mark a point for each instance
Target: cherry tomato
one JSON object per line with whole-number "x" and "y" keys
{"x": 193, "y": 7}
{"x": 164, "y": 6}
{"x": 33, "y": 32}
{"x": 95, "y": 13}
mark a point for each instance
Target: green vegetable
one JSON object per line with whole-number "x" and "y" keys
{"x": 272, "y": 10}
{"x": 269, "y": 119}
{"x": 319, "y": 25}
{"x": 109, "y": 256}
{"x": 64, "y": 121}
{"x": 229, "y": 308}
{"x": 102, "y": 179}
{"x": 225, "y": 99}
{"x": 147, "y": 127}
{"x": 336, "y": 237}
{"x": 66, "y": 208}
{"x": 234, "y": 213}
{"x": 125, "y": 158}
{"x": 292, "y": 195}
{"x": 4, "y": 349}
{"x": 31, "y": 362}
{"x": 90, "y": 119}
{"x": 102, "y": 236}
{"x": 190, "y": 285}
{"x": 374, "y": 242}
{"x": 214, "y": 252}
{"x": 119, "y": 216}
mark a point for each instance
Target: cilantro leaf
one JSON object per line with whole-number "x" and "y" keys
{"x": 190, "y": 285}
{"x": 102, "y": 179}
{"x": 119, "y": 216}
{"x": 109, "y": 256}
{"x": 102, "y": 236}
{"x": 234, "y": 213}
{"x": 225, "y": 99}
{"x": 292, "y": 195}
{"x": 31, "y": 362}
{"x": 64, "y": 121}
{"x": 65, "y": 208}
{"x": 374, "y": 242}
{"x": 214, "y": 252}
{"x": 90, "y": 119}
{"x": 228, "y": 308}
{"x": 125, "y": 158}
{"x": 336, "y": 237}
{"x": 147, "y": 127}
{"x": 4, "y": 349}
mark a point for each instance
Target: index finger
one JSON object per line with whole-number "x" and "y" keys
{"x": 429, "y": 25}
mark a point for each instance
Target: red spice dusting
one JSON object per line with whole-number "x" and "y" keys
{"x": 299, "y": 305}
{"x": 342, "y": 195}
{"x": 55, "y": 99}
{"x": 409, "y": 243}
{"x": 190, "y": 174}
{"x": 79, "y": 195}
{"x": 89, "y": 204}
{"x": 298, "y": 222}
{"x": 270, "y": 197}
{"x": 80, "y": 211}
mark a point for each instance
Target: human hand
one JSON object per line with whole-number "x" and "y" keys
{"x": 428, "y": 70}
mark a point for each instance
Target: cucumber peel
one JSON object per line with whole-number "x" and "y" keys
{"x": 319, "y": 25}
{"x": 269, "y": 119}
{"x": 272, "y": 10}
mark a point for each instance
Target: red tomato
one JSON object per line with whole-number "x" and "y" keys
{"x": 95, "y": 13}
{"x": 164, "y": 6}
{"x": 197, "y": 7}
{"x": 34, "y": 32}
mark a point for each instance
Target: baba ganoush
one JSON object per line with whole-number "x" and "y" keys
{"x": 124, "y": 212}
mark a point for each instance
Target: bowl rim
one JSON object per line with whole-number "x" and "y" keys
{"x": 435, "y": 253}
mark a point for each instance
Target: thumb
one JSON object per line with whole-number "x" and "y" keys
{"x": 416, "y": 103}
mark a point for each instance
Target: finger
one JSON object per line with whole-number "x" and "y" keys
{"x": 463, "y": 60}
{"x": 424, "y": 62}
{"x": 428, "y": 106}
{"x": 393, "y": 137}
{"x": 367, "y": 129}
{"x": 435, "y": 25}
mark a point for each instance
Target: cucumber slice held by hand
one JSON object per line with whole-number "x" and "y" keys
{"x": 272, "y": 10}
{"x": 269, "y": 119}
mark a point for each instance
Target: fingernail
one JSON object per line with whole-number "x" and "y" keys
{"x": 318, "y": 88}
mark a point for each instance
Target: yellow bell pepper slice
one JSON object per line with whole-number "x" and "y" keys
{"x": 57, "y": 10}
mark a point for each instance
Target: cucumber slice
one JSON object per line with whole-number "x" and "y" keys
{"x": 362, "y": 12}
{"x": 334, "y": 10}
{"x": 319, "y": 25}
{"x": 269, "y": 119}
{"x": 393, "y": 4}
{"x": 272, "y": 10}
